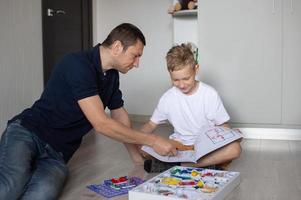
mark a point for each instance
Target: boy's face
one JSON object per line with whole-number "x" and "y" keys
{"x": 184, "y": 79}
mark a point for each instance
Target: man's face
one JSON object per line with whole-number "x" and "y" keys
{"x": 130, "y": 58}
{"x": 184, "y": 79}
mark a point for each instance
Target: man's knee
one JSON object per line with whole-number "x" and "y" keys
{"x": 4, "y": 191}
{"x": 7, "y": 192}
{"x": 46, "y": 190}
{"x": 53, "y": 187}
{"x": 12, "y": 182}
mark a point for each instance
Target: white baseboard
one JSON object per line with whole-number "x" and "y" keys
{"x": 250, "y": 133}
{"x": 271, "y": 133}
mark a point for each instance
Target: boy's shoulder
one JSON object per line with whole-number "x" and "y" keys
{"x": 204, "y": 87}
{"x": 208, "y": 92}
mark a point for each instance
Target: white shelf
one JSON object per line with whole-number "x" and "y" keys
{"x": 193, "y": 12}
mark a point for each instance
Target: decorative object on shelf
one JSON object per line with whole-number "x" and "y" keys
{"x": 183, "y": 5}
{"x": 195, "y": 51}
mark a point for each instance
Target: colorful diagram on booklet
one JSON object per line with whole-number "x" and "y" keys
{"x": 217, "y": 135}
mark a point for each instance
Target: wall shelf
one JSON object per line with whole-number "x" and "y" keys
{"x": 185, "y": 13}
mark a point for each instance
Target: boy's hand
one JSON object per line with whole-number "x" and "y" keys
{"x": 164, "y": 147}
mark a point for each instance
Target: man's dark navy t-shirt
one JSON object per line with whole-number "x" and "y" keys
{"x": 56, "y": 117}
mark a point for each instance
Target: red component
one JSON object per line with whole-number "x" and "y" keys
{"x": 114, "y": 180}
{"x": 122, "y": 179}
{"x": 187, "y": 183}
{"x": 207, "y": 174}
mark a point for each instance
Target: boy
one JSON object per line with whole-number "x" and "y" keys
{"x": 189, "y": 105}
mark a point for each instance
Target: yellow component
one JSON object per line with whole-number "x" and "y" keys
{"x": 200, "y": 184}
{"x": 194, "y": 173}
{"x": 170, "y": 181}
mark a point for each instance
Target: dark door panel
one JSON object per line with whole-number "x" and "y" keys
{"x": 67, "y": 27}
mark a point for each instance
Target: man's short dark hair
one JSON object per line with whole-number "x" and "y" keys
{"x": 126, "y": 33}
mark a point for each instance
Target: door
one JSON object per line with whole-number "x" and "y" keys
{"x": 67, "y": 27}
{"x": 240, "y": 55}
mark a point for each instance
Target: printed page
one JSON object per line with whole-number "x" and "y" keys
{"x": 209, "y": 140}
{"x": 182, "y": 156}
{"x": 214, "y": 138}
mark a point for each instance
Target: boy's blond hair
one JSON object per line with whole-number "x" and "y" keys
{"x": 179, "y": 57}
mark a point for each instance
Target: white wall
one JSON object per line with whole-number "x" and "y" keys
{"x": 21, "y": 69}
{"x": 185, "y": 29}
{"x": 141, "y": 87}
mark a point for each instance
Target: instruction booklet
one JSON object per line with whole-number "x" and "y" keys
{"x": 208, "y": 140}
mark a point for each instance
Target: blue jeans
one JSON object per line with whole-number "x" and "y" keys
{"x": 29, "y": 168}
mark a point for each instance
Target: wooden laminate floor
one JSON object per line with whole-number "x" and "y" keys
{"x": 270, "y": 169}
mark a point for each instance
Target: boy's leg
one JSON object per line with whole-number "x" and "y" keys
{"x": 49, "y": 177}
{"x": 17, "y": 150}
{"x": 220, "y": 156}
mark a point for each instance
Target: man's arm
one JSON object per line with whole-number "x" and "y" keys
{"x": 93, "y": 109}
{"x": 122, "y": 116}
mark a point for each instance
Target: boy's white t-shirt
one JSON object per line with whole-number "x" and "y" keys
{"x": 190, "y": 113}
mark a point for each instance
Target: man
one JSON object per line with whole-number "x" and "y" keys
{"x": 38, "y": 143}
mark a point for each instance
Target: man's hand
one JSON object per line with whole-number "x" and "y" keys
{"x": 164, "y": 147}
